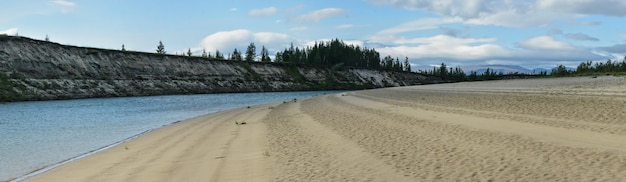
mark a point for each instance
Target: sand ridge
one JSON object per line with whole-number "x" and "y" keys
{"x": 569, "y": 129}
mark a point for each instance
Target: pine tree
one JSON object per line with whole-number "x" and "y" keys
{"x": 218, "y": 54}
{"x": 236, "y": 56}
{"x": 251, "y": 52}
{"x": 160, "y": 48}
{"x": 47, "y": 38}
{"x": 279, "y": 57}
{"x": 265, "y": 55}
{"x": 443, "y": 71}
{"x": 123, "y": 48}
{"x": 407, "y": 65}
{"x": 204, "y": 54}
{"x": 189, "y": 52}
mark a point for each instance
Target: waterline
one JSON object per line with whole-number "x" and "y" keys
{"x": 39, "y": 134}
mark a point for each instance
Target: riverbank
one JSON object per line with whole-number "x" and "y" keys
{"x": 34, "y": 70}
{"x": 529, "y": 130}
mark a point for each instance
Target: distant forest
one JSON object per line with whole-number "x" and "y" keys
{"x": 588, "y": 68}
{"x": 336, "y": 54}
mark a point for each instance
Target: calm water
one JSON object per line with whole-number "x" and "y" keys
{"x": 39, "y": 134}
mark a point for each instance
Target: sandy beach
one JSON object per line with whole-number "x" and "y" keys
{"x": 561, "y": 129}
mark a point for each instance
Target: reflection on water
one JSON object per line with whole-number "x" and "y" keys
{"x": 38, "y": 134}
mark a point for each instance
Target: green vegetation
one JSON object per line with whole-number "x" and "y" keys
{"x": 236, "y": 56}
{"x": 251, "y": 72}
{"x": 205, "y": 54}
{"x": 589, "y": 68}
{"x": 218, "y": 55}
{"x": 160, "y": 48}
{"x": 294, "y": 73}
{"x": 336, "y": 52}
{"x": 250, "y": 52}
{"x": 7, "y": 89}
{"x": 265, "y": 55}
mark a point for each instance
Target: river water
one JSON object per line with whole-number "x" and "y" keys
{"x": 34, "y": 135}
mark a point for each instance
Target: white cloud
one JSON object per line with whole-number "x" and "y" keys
{"x": 527, "y": 18}
{"x": 389, "y": 35}
{"x": 555, "y": 31}
{"x": 511, "y": 12}
{"x": 454, "y": 8}
{"x": 316, "y": 16}
{"x": 227, "y": 41}
{"x": 453, "y": 51}
{"x": 619, "y": 49}
{"x": 64, "y": 3}
{"x": 585, "y": 7}
{"x": 545, "y": 43}
{"x": 420, "y": 24}
{"x": 584, "y": 23}
{"x": 454, "y": 32}
{"x": 66, "y": 6}
{"x": 446, "y": 48}
{"x": 269, "y": 11}
{"x": 297, "y": 29}
{"x": 572, "y": 36}
{"x": 270, "y": 38}
{"x": 10, "y": 31}
{"x": 345, "y": 26}
{"x": 580, "y": 36}
{"x": 233, "y": 9}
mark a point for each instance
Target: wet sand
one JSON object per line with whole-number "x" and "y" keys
{"x": 568, "y": 129}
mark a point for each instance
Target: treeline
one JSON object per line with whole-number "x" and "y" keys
{"x": 590, "y": 68}
{"x": 338, "y": 54}
{"x": 457, "y": 74}
{"x": 334, "y": 54}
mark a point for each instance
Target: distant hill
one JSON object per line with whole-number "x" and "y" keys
{"x": 499, "y": 69}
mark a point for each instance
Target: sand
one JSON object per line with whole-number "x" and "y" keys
{"x": 568, "y": 129}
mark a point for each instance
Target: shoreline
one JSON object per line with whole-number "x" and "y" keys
{"x": 92, "y": 152}
{"x": 33, "y": 176}
{"x": 189, "y": 107}
{"x": 556, "y": 129}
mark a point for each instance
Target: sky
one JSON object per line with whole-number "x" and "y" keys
{"x": 528, "y": 33}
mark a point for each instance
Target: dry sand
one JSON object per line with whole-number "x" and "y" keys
{"x": 570, "y": 129}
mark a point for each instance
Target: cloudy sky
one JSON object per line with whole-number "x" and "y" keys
{"x": 530, "y": 33}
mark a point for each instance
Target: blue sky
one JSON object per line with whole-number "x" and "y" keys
{"x": 530, "y": 33}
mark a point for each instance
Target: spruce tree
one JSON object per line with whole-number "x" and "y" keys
{"x": 160, "y": 48}
{"x": 218, "y": 54}
{"x": 236, "y": 56}
{"x": 407, "y": 65}
{"x": 250, "y": 52}
{"x": 265, "y": 55}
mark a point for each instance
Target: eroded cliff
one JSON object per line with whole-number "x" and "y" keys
{"x": 40, "y": 70}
